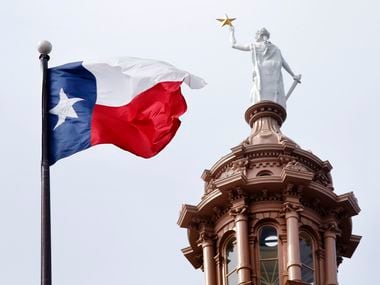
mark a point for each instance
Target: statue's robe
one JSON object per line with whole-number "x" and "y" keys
{"x": 268, "y": 84}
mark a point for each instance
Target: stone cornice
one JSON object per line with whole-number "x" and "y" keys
{"x": 234, "y": 180}
{"x": 312, "y": 192}
{"x": 190, "y": 212}
{"x": 350, "y": 203}
{"x": 185, "y": 215}
{"x": 321, "y": 190}
{"x": 351, "y": 246}
{"x": 209, "y": 199}
{"x": 194, "y": 257}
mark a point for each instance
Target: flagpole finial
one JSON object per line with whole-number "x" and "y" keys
{"x": 44, "y": 47}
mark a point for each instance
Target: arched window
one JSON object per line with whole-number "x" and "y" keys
{"x": 264, "y": 173}
{"x": 268, "y": 256}
{"x": 307, "y": 258}
{"x": 231, "y": 277}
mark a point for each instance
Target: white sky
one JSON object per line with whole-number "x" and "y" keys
{"x": 114, "y": 215}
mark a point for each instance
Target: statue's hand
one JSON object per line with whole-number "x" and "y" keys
{"x": 297, "y": 78}
{"x": 232, "y": 28}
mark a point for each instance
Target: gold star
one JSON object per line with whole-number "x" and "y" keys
{"x": 227, "y": 21}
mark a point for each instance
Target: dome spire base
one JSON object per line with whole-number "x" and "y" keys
{"x": 265, "y": 109}
{"x": 265, "y": 119}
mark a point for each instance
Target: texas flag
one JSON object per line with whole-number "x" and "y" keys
{"x": 132, "y": 103}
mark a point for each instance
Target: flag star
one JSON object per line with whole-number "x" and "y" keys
{"x": 64, "y": 108}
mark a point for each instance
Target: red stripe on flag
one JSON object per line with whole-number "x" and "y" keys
{"x": 145, "y": 125}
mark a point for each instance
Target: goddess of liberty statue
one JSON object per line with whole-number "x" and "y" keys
{"x": 267, "y": 62}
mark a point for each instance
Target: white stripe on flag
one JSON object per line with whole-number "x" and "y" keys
{"x": 118, "y": 80}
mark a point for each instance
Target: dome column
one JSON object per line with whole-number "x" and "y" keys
{"x": 331, "y": 268}
{"x": 252, "y": 241}
{"x": 206, "y": 241}
{"x": 291, "y": 208}
{"x": 239, "y": 211}
{"x": 218, "y": 265}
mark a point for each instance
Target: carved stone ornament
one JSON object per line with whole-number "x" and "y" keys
{"x": 238, "y": 210}
{"x": 296, "y": 166}
{"x": 322, "y": 178}
{"x": 290, "y": 207}
{"x": 293, "y": 190}
{"x": 237, "y": 194}
{"x": 331, "y": 227}
{"x": 338, "y": 212}
{"x": 264, "y": 195}
{"x": 205, "y": 236}
{"x": 284, "y": 159}
{"x": 210, "y": 186}
{"x": 201, "y": 223}
{"x": 236, "y": 167}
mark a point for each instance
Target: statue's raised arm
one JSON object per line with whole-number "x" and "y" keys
{"x": 246, "y": 47}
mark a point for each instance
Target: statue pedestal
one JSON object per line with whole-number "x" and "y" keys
{"x": 265, "y": 118}
{"x": 265, "y": 109}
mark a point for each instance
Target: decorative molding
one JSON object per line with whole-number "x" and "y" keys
{"x": 273, "y": 215}
{"x": 291, "y": 207}
{"x": 264, "y": 164}
{"x": 296, "y": 166}
{"x": 283, "y": 159}
{"x": 322, "y": 178}
{"x": 264, "y": 153}
{"x": 210, "y": 186}
{"x": 206, "y": 175}
{"x": 237, "y": 194}
{"x": 315, "y": 205}
{"x": 338, "y": 212}
{"x": 220, "y": 212}
{"x": 331, "y": 227}
{"x": 265, "y": 195}
{"x": 292, "y": 190}
{"x": 205, "y": 236}
{"x": 235, "y": 167}
{"x": 265, "y": 109}
{"x": 239, "y": 210}
{"x": 201, "y": 223}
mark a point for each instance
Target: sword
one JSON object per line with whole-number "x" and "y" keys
{"x": 295, "y": 82}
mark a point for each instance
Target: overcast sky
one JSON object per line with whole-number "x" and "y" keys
{"x": 113, "y": 214}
